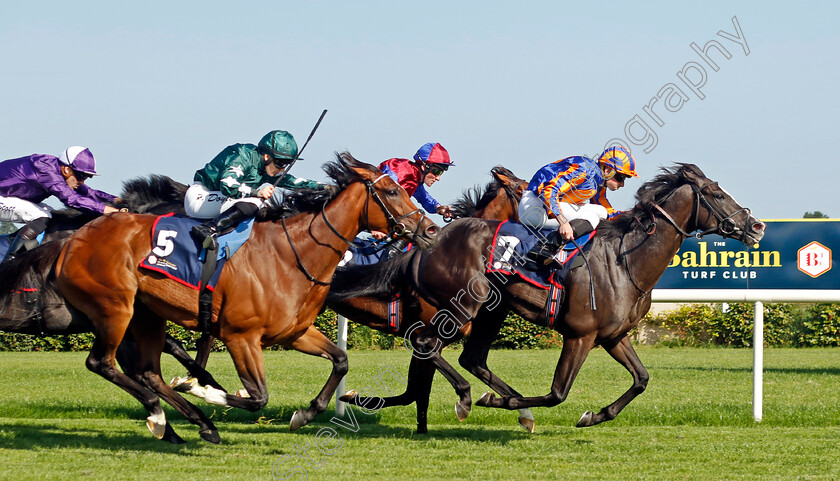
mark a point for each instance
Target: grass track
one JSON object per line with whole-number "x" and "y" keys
{"x": 57, "y": 420}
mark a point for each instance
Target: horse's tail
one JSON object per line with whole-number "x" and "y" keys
{"x": 155, "y": 194}
{"x": 29, "y": 270}
{"x": 376, "y": 280}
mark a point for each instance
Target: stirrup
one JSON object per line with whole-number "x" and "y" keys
{"x": 206, "y": 236}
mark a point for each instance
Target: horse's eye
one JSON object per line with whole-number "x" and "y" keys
{"x": 392, "y": 193}
{"x": 719, "y": 196}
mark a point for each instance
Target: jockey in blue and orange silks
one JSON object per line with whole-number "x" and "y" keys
{"x": 570, "y": 195}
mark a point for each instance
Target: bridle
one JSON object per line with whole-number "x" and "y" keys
{"x": 726, "y": 226}
{"x": 395, "y": 227}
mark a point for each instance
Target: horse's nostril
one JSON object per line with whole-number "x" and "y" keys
{"x": 759, "y": 226}
{"x": 432, "y": 231}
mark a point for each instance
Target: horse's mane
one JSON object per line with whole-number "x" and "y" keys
{"x": 145, "y": 195}
{"x": 312, "y": 200}
{"x": 651, "y": 192}
{"x": 474, "y": 199}
{"x": 28, "y": 269}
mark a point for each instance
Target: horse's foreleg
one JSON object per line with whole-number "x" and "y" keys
{"x": 571, "y": 359}
{"x": 624, "y": 353}
{"x": 427, "y": 347}
{"x": 418, "y": 389}
{"x": 313, "y": 342}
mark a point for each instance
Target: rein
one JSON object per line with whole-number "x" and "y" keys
{"x": 725, "y": 225}
{"x": 398, "y": 228}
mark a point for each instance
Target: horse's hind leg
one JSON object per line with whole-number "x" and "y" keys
{"x": 574, "y": 353}
{"x": 624, "y": 353}
{"x": 427, "y": 346}
{"x": 149, "y": 338}
{"x": 485, "y": 328}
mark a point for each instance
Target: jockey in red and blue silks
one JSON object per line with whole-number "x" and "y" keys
{"x": 414, "y": 175}
{"x": 570, "y": 194}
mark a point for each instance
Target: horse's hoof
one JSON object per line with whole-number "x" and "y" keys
{"x": 177, "y": 383}
{"x": 461, "y": 411}
{"x": 526, "y": 420}
{"x": 422, "y": 430}
{"x": 210, "y": 435}
{"x": 243, "y": 393}
{"x": 298, "y": 420}
{"x": 157, "y": 424}
{"x": 348, "y": 396}
{"x": 585, "y": 420}
{"x": 485, "y": 399}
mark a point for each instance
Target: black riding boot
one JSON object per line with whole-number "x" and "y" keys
{"x": 545, "y": 253}
{"x": 207, "y": 232}
{"x": 26, "y": 233}
{"x": 394, "y": 248}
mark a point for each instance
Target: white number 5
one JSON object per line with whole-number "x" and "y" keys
{"x": 165, "y": 244}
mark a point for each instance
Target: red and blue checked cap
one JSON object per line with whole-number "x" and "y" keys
{"x": 79, "y": 159}
{"x": 620, "y": 159}
{"x": 433, "y": 153}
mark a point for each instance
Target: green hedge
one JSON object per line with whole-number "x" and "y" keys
{"x": 785, "y": 325}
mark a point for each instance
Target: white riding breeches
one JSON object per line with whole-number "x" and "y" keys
{"x": 533, "y": 213}
{"x": 17, "y": 210}
{"x": 201, "y": 203}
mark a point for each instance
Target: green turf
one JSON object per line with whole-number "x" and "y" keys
{"x": 59, "y": 421}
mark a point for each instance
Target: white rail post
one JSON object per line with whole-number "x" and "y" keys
{"x": 758, "y": 361}
{"x": 342, "y": 344}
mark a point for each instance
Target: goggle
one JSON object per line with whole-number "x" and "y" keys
{"x": 82, "y": 176}
{"x": 438, "y": 169}
{"x": 619, "y": 177}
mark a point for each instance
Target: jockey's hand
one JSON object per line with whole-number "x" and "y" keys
{"x": 378, "y": 235}
{"x": 265, "y": 192}
{"x": 109, "y": 209}
{"x": 566, "y": 232}
{"x": 445, "y": 211}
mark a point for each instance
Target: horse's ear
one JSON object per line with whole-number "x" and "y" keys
{"x": 692, "y": 173}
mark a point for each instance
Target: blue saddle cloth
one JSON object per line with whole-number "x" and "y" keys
{"x": 365, "y": 251}
{"x": 513, "y": 241}
{"x": 178, "y": 256}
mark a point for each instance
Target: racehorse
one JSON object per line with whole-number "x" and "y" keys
{"x": 29, "y": 299}
{"x": 627, "y": 257}
{"x": 268, "y": 293}
{"x": 498, "y": 200}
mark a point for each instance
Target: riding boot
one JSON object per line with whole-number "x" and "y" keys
{"x": 26, "y": 233}
{"x": 393, "y": 248}
{"x": 207, "y": 232}
{"x": 543, "y": 252}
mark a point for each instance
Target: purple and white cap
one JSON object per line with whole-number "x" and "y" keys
{"x": 79, "y": 159}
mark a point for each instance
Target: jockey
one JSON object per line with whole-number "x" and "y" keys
{"x": 26, "y": 182}
{"x": 238, "y": 181}
{"x": 570, "y": 194}
{"x": 414, "y": 175}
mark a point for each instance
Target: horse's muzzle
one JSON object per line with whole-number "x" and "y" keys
{"x": 427, "y": 234}
{"x": 755, "y": 231}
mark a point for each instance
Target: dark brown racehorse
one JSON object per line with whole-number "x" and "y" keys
{"x": 499, "y": 200}
{"x": 628, "y": 256}
{"x": 269, "y": 292}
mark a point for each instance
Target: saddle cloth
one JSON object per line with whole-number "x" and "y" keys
{"x": 513, "y": 241}
{"x": 178, "y": 256}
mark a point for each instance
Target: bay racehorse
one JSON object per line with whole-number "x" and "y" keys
{"x": 29, "y": 299}
{"x": 498, "y": 200}
{"x": 268, "y": 293}
{"x": 628, "y": 255}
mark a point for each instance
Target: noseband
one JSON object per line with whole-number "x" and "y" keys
{"x": 726, "y": 226}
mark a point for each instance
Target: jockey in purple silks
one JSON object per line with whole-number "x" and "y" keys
{"x": 26, "y": 182}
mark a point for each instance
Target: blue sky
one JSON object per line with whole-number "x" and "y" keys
{"x": 161, "y": 87}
